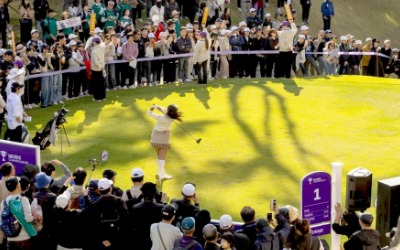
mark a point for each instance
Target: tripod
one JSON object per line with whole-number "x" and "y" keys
{"x": 66, "y": 136}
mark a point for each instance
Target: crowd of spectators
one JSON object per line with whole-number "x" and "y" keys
{"x": 96, "y": 214}
{"x": 72, "y": 62}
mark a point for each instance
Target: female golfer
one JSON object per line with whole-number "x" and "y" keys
{"x": 160, "y": 134}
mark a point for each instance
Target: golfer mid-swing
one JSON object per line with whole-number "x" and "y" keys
{"x": 161, "y": 132}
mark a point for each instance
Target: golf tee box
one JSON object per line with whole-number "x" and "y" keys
{"x": 288, "y": 11}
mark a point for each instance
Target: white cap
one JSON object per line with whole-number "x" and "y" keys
{"x": 155, "y": 24}
{"x": 304, "y": 27}
{"x": 301, "y": 36}
{"x": 72, "y": 36}
{"x": 246, "y": 29}
{"x": 234, "y": 28}
{"x": 2, "y": 51}
{"x": 252, "y": 10}
{"x": 343, "y": 38}
{"x": 98, "y": 30}
{"x": 104, "y": 184}
{"x": 137, "y": 172}
{"x": 359, "y": 42}
{"x": 213, "y": 27}
{"x": 33, "y": 31}
{"x": 151, "y": 35}
{"x": 242, "y": 23}
{"x": 63, "y": 199}
{"x": 225, "y": 222}
{"x": 386, "y": 41}
{"x": 72, "y": 43}
{"x": 188, "y": 190}
{"x": 268, "y": 15}
{"x": 224, "y": 32}
{"x": 368, "y": 39}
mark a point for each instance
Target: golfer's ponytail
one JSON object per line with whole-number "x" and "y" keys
{"x": 173, "y": 113}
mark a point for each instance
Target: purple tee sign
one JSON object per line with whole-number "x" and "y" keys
{"x": 19, "y": 154}
{"x": 316, "y": 201}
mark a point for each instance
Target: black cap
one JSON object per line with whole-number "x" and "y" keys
{"x": 9, "y": 53}
{"x": 168, "y": 212}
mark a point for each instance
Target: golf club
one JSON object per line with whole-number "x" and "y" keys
{"x": 198, "y": 140}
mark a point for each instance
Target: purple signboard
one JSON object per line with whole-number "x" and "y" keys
{"x": 321, "y": 229}
{"x": 316, "y": 198}
{"x": 19, "y": 154}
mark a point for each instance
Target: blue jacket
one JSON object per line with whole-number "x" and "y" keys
{"x": 236, "y": 42}
{"x": 327, "y": 8}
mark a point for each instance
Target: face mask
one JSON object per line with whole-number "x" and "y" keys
{"x": 159, "y": 5}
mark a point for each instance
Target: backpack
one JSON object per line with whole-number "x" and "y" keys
{"x": 37, "y": 213}
{"x": 109, "y": 219}
{"x": 9, "y": 223}
{"x": 177, "y": 245}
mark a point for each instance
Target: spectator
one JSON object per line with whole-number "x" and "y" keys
{"x": 40, "y": 7}
{"x": 202, "y": 218}
{"x": 170, "y": 6}
{"x": 98, "y": 8}
{"x": 24, "y": 215}
{"x": 144, "y": 214}
{"x": 248, "y": 215}
{"x": 245, "y": 6}
{"x": 34, "y": 42}
{"x": 213, "y": 10}
{"x": 276, "y": 23}
{"x": 350, "y": 219}
{"x": 4, "y": 21}
{"x": 306, "y": 5}
{"x": 26, "y": 14}
{"x": 355, "y": 59}
{"x": 236, "y": 41}
{"x": 110, "y": 16}
{"x": 46, "y": 239}
{"x": 375, "y": 67}
{"x": 227, "y": 241}
{"x": 242, "y": 242}
{"x": 163, "y": 234}
{"x": 331, "y": 57}
{"x": 184, "y": 45}
{"x": 56, "y": 62}
{"x": 7, "y": 171}
{"x": 394, "y": 63}
{"x": 137, "y": 177}
{"x": 253, "y": 21}
{"x": 97, "y": 67}
{"x": 283, "y": 228}
{"x": 49, "y": 168}
{"x": 224, "y": 47}
{"x": 129, "y": 52}
{"x": 366, "y": 238}
{"x": 265, "y": 239}
{"x": 365, "y": 58}
{"x": 93, "y": 196}
{"x": 226, "y": 17}
{"x": 267, "y": 20}
{"x": 304, "y": 239}
{"x": 210, "y": 234}
{"x": 189, "y": 205}
{"x": 300, "y": 57}
{"x": 328, "y": 12}
{"x": 65, "y": 15}
{"x": 29, "y": 171}
{"x": 71, "y": 224}
{"x": 111, "y": 215}
{"x": 112, "y": 175}
{"x": 188, "y": 241}
{"x": 387, "y": 51}
{"x": 285, "y": 58}
{"x": 50, "y": 27}
{"x": 77, "y": 190}
{"x": 201, "y": 57}
{"x": 158, "y": 11}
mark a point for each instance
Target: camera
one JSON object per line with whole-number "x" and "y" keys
{"x": 94, "y": 162}
{"x": 269, "y": 216}
{"x": 272, "y": 205}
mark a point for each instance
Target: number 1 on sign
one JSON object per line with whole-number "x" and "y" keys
{"x": 316, "y": 192}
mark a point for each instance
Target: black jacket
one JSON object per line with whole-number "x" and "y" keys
{"x": 186, "y": 208}
{"x": 363, "y": 240}
{"x": 266, "y": 240}
{"x": 41, "y": 7}
{"x": 249, "y": 229}
{"x": 4, "y": 17}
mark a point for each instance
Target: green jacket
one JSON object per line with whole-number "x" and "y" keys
{"x": 99, "y": 10}
{"x": 177, "y": 27}
{"x": 109, "y": 18}
{"x": 50, "y": 27}
{"x": 121, "y": 7}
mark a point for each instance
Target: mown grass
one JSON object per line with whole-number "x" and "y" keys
{"x": 259, "y": 137}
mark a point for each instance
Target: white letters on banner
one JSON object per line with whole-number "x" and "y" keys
{"x": 67, "y": 23}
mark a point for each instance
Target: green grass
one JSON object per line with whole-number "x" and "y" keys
{"x": 259, "y": 137}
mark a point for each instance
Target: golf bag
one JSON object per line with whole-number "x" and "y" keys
{"x": 44, "y": 138}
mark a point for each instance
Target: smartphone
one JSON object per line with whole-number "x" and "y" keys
{"x": 269, "y": 216}
{"x": 272, "y": 205}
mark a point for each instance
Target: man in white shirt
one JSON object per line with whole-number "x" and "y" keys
{"x": 163, "y": 234}
{"x": 286, "y": 36}
{"x": 15, "y": 114}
